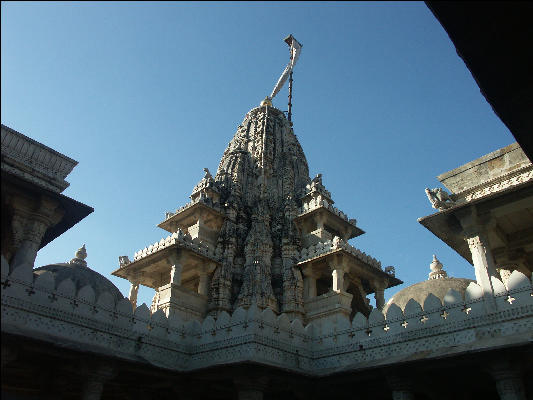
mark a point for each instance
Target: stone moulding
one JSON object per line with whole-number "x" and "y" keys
{"x": 48, "y": 167}
{"x": 55, "y": 311}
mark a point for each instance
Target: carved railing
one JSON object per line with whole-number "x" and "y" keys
{"x": 182, "y": 240}
{"x": 314, "y": 204}
{"x": 329, "y": 246}
{"x": 204, "y": 200}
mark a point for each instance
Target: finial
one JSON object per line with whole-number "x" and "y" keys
{"x": 266, "y": 102}
{"x": 80, "y": 256}
{"x": 207, "y": 174}
{"x": 436, "y": 269}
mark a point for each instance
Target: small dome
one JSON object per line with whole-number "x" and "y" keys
{"x": 78, "y": 272}
{"x": 438, "y": 284}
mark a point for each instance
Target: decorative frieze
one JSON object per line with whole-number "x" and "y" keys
{"x": 501, "y": 183}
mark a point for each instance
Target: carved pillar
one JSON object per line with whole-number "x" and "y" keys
{"x": 134, "y": 290}
{"x": 175, "y": 269}
{"x": 400, "y": 388}
{"x": 474, "y": 229}
{"x": 379, "y": 295}
{"x": 31, "y": 219}
{"x": 508, "y": 381}
{"x": 309, "y": 285}
{"x": 483, "y": 262}
{"x": 9, "y": 354}
{"x": 203, "y": 285}
{"x": 251, "y": 388}
{"x": 337, "y": 274}
{"x": 96, "y": 379}
{"x": 402, "y": 395}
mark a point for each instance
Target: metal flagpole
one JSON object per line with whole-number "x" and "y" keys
{"x": 289, "y": 40}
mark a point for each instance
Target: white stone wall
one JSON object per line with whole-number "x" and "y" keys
{"x": 55, "y": 311}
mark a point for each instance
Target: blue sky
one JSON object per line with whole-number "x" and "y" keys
{"x": 145, "y": 95}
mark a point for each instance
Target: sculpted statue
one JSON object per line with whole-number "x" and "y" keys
{"x": 439, "y": 198}
{"x": 207, "y": 174}
{"x": 123, "y": 261}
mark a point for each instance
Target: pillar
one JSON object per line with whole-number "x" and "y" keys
{"x": 309, "y": 285}
{"x": 251, "y": 388}
{"x": 134, "y": 290}
{"x": 31, "y": 219}
{"x": 379, "y": 295}
{"x": 475, "y": 232}
{"x": 402, "y": 395}
{"x": 379, "y": 292}
{"x": 483, "y": 260}
{"x": 400, "y": 387}
{"x": 508, "y": 381}
{"x": 95, "y": 381}
{"x": 203, "y": 284}
{"x": 175, "y": 269}
{"x": 338, "y": 279}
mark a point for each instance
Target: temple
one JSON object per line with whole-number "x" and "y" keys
{"x": 258, "y": 292}
{"x": 259, "y": 232}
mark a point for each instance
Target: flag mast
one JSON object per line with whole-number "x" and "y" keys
{"x": 295, "y": 49}
{"x": 288, "y": 40}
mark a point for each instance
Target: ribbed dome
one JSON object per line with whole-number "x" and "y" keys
{"x": 419, "y": 291}
{"x": 438, "y": 284}
{"x": 77, "y": 271}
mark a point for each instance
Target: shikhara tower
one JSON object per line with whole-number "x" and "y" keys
{"x": 260, "y": 232}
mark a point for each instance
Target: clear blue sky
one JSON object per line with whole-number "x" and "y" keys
{"x": 144, "y": 95}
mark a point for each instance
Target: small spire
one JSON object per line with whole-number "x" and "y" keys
{"x": 436, "y": 269}
{"x": 80, "y": 256}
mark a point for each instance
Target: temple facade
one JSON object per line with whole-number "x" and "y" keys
{"x": 258, "y": 292}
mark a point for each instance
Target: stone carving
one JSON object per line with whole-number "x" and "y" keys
{"x": 80, "y": 256}
{"x": 390, "y": 270}
{"x": 123, "y": 261}
{"x": 436, "y": 269}
{"x": 439, "y": 198}
{"x": 502, "y": 184}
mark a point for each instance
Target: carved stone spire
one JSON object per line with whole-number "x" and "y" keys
{"x": 262, "y": 167}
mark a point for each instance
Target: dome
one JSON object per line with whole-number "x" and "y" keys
{"x": 81, "y": 275}
{"x": 438, "y": 284}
